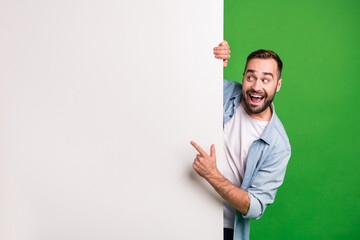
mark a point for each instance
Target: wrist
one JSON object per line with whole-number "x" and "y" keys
{"x": 215, "y": 175}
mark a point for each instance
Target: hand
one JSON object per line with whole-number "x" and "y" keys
{"x": 223, "y": 52}
{"x": 204, "y": 164}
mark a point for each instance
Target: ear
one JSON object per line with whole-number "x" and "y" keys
{"x": 278, "y": 85}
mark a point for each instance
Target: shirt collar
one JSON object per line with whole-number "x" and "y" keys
{"x": 266, "y": 136}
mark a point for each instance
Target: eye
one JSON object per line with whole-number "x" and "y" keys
{"x": 250, "y": 78}
{"x": 265, "y": 80}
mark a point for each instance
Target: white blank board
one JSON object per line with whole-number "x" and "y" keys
{"x": 98, "y": 103}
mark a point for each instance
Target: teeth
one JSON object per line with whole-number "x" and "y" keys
{"x": 256, "y": 96}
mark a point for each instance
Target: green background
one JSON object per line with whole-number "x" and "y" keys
{"x": 318, "y": 104}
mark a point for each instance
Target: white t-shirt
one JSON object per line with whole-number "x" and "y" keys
{"x": 239, "y": 133}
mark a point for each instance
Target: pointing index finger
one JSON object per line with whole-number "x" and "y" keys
{"x": 198, "y": 148}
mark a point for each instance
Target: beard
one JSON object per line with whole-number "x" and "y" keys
{"x": 255, "y": 109}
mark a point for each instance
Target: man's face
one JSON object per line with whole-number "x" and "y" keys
{"x": 260, "y": 83}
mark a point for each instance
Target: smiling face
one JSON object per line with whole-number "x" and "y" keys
{"x": 260, "y": 83}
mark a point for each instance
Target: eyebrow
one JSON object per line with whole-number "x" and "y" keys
{"x": 265, "y": 73}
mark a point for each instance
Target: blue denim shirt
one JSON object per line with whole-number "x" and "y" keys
{"x": 266, "y": 164}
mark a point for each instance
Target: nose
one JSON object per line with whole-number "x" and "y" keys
{"x": 257, "y": 85}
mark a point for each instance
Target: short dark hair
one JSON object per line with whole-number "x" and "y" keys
{"x": 265, "y": 54}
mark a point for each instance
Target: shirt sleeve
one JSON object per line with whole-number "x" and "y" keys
{"x": 264, "y": 187}
{"x": 227, "y": 91}
{"x": 230, "y": 89}
{"x": 231, "y": 99}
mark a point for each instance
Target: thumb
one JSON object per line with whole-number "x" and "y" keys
{"x": 225, "y": 63}
{"x": 212, "y": 151}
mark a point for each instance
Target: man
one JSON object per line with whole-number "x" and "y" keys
{"x": 256, "y": 146}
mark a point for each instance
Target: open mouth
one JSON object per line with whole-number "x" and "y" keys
{"x": 256, "y": 98}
